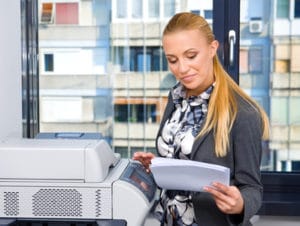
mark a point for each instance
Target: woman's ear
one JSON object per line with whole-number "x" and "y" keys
{"x": 214, "y": 47}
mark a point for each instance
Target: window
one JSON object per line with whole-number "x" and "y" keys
{"x": 169, "y": 8}
{"x": 140, "y": 59}
{"x": 66, "y": 13}
{"x": 282, "y": 58}
{"x": 135, "y": 47}
{"x": 121, "y": 8}
{"x": 255, "y": 60}
{"x": 282, "y": 66}
{"x": 282, "y": 8}
{"x": 135, "y": 113}
{"x": 49, "y": 62}
{"x": 47, "y": 13}
{"x": 297, "y": 9}
{"x": 153, "y": 8}
{"x": 244, "y": 61}
{"x": 251, "y": 60}
{"x": 208, "y": 14}
{"x": 279, "y": 107}
{"x": 137, "y": 9}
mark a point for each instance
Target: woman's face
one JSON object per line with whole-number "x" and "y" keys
{"x": 190, "y": 59}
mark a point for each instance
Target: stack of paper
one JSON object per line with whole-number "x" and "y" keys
{"x": 188, "y": 175}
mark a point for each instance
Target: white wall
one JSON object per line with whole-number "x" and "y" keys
{"x": 10, "y": 69}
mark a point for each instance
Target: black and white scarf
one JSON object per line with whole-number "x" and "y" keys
{"x": 177, "y": 138}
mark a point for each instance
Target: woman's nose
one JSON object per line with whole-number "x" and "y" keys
{"x": 182, "y": 66}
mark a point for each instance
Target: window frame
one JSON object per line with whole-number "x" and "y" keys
{"x": 278, "y": 185}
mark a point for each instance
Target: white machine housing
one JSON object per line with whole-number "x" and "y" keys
{"x": 72, "y": 179}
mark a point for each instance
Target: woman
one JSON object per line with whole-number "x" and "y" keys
{"x": 208, "y": 118}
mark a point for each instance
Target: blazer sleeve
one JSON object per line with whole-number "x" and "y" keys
{"x": 246, "y": 138}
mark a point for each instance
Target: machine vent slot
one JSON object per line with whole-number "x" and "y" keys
{"x": 98, "y": 203}
{"x": 11, "y": 203}
{"x": 57, "y": 203}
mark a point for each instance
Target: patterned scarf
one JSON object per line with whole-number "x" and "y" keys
{"x": 177, "y": 138}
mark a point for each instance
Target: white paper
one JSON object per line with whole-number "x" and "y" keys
{"x": 188, "y": 175}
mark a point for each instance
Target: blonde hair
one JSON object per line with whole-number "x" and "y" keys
{"x": 222, "y": 108}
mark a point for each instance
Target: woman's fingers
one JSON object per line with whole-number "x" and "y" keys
{"x": 227, "y": 198}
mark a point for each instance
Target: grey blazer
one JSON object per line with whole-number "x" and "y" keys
{"x": 243, "y": 159}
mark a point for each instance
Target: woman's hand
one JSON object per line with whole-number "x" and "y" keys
{"x": 144, "y": 157}
{"x": 228, "y": 198}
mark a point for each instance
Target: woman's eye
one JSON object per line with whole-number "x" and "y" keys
{"x": 192, "y": 56}
{"x": 172, "y": 61}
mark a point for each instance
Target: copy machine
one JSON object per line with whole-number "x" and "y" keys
{"x": 72, "y": 180}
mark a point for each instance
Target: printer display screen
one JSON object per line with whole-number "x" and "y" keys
{"x": 137, "y": 175}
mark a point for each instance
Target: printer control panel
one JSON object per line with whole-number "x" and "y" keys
{"x": 136, "y": 174}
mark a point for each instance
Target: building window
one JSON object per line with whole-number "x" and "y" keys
{"x": 49, "y": 62}
{"x": 135, "y": 112}
{"x": 282, "y": 9}
{"x": 66, "y": 13}
{"x": 140, "y": 58}
{"x": 121, "y": 9}
{"x": 295, "y": 63}
{"x": 251, "y": 60}
{"x": 282, "y": 66}
{"x": 279, "y": 115}
{"x": 196, "y": 12}
{"x": 294, "y": 111}
{"x": 255, "y": 60}
{"x": 47, "y": 13}
{"x": 208, "y": 14}
{"x": 297, "y": 9}
{"x": 153, "y": 7}
{"x": 137, "y": 9}
{"x": 243, "y": 61}
{"x": 169, "y": 8}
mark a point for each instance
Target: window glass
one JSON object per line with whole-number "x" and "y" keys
{"x": 108, "y": 69}
{"x": 294, "y": 111}
{"x": 270, "y": 73}
{"x": 243, "y": 61}
{"x": 47, "y": 13}
{"x": 279, "y": 110}
{"x": 49, "y": 62}
{"x": 169, "y": 8}
{"x": 137, "y": 9}
{"x": 282, "y": 8}
{"x": 121, "y": 8}
{"x": 255, "y": 60}
{"x": 208, "y": 14}
{"x": 297, "y": 9}
{"x": 153, "y": 8}
{"x": 66, "y": 13}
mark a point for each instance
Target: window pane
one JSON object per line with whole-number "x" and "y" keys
{"x": 282, "y": 8}
{"x": 169, "y": 8}
{"x": 66, "y": 13}
{"x": 243, "y": 61}
{"x": 297, "y": 9}
{"x": 153, "y": 6}
{"x": 137, "y": 9}
{"x": 273, "y": 75}
{"x": 108, "y": 68}
{"x": 279, "y": 110}
{"x": 255, "y": 60}
{"x": 294, "y": 110}
{"x": 49, "y": 63}
{"x": 121, "y": 8}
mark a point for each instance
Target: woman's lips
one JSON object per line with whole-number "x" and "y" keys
{"x": 188, "y": 78}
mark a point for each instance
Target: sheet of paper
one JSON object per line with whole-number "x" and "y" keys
{"x": 178, "y": 174}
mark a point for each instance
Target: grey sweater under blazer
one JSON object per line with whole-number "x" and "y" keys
{"x": 243, "y": 159}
